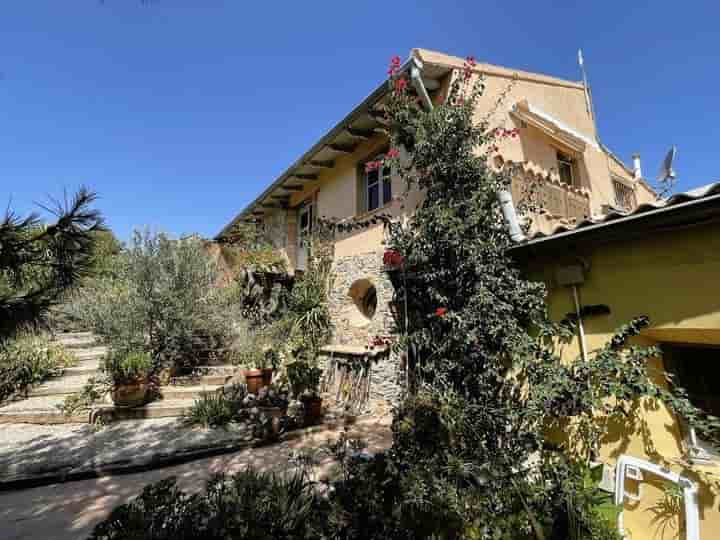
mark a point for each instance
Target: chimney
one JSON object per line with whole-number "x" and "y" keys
{"x": 637, "y": 169}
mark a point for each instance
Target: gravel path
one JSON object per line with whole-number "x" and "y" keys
{"x": 69, "y": 511}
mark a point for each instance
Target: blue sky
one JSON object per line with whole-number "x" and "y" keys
{"x": 181, "y": 111}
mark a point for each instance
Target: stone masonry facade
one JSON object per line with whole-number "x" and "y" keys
{"x": 353, "y": 330}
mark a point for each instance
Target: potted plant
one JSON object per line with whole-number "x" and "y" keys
{"x": 129, "y": 376}
{"x": 305, "y": 384}
{"x": 260, "y": 376}
{"x": 272, "y": 403}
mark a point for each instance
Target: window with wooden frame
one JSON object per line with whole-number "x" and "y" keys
{"x": 567, "y": 170}
{"x": 375, "y": 185}
{"x": 624, "y": 195}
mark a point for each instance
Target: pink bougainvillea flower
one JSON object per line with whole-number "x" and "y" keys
{"x": 400, "y": 85}
{"x": 392, "y": 153}
{"x": 441, "y": 311}
{"x": 372, "y": 166}
{"x": 468, "y": 66}
{"x": 394, "y": 65}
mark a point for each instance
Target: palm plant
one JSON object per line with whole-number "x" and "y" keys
{"x": 39, "y": 262}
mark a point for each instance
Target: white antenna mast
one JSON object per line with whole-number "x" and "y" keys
{"x": 588, "y": 102}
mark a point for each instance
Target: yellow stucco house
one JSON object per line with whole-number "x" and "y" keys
{"x": 632, "y": 254}
{"x": 661, "y": 260}
{"x": 557, "y": 142}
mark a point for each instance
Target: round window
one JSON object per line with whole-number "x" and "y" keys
{"x": 364, "y": 295}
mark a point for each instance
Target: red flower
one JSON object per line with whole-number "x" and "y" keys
{"x": 372, "y": 166}
{"x": 441, "y": 311}
{"x": 392, "y": 153}
{"x": 394, "y": 65}
{"x": 468, "y": 66}
{"x": 400, "y": 85}
{"x": 393, "y": 258}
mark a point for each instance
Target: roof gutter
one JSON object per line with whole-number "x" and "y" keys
{"x": 664, "y": 211}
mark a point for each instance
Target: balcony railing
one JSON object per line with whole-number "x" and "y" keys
{"x": 553, "y": 197}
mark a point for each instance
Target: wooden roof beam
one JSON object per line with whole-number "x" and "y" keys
{"x": 342, "y": 149}
{"x": 364, "y": 134}
{"x": 326, "y": 164}
{"x": 305, "y": 176}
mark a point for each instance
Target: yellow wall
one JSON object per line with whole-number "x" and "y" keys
{"x": 672, "y": 277}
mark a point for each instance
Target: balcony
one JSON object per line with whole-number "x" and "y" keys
{"x": 551, "y": 196}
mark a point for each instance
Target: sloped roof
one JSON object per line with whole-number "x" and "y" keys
{"x": 337, "y": 140}
{"x": 676, "y": 202}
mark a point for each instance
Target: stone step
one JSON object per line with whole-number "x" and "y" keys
{"x": 90, "y": 353}
{"x": 76, "y": 340}
{"x": 187, "y": 392}
{"x": 64, "y": 386}
{"x": 39, "y": 410}
{"x": 44, "y": 410}
{"x": 199, "y": 380}
{"x": 58, "y": 386}
{"x": 86, "y": 367}
{"x": 164, "y": 408}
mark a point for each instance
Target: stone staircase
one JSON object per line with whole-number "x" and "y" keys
{"x": 41, "y": 404}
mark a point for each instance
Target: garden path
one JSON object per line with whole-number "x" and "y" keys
{"x": 70, "y": 510}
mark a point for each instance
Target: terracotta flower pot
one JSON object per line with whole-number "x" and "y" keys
{"x": 130, "y": 394}
{"x": 254, "y": 380}
{"x": 313, "y": 409}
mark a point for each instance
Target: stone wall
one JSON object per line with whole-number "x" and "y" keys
{"x": 352, "y": 330}
{"x": 351, "y": 326}
{"x": 386, "y": 376}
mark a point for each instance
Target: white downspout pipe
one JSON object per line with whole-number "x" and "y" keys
{"x": 417, "y": 82}
{"x": 511, "y": 220}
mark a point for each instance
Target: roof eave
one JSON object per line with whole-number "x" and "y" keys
{"x": 365, "y": 105}
{"x": 709, "y": 205}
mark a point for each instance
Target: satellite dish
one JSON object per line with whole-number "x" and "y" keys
{"x": 667, "y": 173}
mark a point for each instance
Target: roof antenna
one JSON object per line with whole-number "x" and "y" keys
{"x": 667, "y": 175}
{"x": 586, "y": 88}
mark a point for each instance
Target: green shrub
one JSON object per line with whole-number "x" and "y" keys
{"x": 217, "y": 409}
{"x": 125, "y": 368}
{"x": 28, "y": 359}
{"x": 304, "y": 378}
{"x": 162, "y": 297}
{"x": 248, "y": 505}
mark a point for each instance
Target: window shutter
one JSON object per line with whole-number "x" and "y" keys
{"x": 361, "y": 190}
